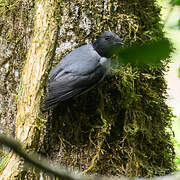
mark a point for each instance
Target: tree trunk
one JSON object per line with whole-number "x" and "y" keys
{"x": 118, "y": 128}
{"x": 41, "y": 50}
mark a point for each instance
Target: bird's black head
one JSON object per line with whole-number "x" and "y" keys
{"x": 106, "y": 42}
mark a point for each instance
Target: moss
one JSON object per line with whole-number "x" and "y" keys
{"x": 16, "y": 20}
{"x": 124, "y": 125}
{"x": 3, "y": 162}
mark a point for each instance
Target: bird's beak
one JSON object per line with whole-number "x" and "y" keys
{"x": 120, "y": 43}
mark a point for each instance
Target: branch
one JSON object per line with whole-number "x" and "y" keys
{"x": 60, "y": 171}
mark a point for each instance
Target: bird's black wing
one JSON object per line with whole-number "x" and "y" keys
{"x": 78, "y": 72}
{"x": 72, "y": 85}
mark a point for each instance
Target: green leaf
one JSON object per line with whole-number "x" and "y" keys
{"x": 175, "y": 2}
{"x": 3, "y": 162}
{"x": 179, "y": 77}
{"x": 151, "y": 52}
{"x": 178, "y": 24}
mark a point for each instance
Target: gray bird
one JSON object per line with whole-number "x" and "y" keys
{"x": 81, "y": 70}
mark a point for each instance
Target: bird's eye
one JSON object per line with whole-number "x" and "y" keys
{"x": 107, "y": 37}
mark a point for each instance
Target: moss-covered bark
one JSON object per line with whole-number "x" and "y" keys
{"x": 121, "y": 127}
{"x": 41, "y": 50}
{"x": 16, "y": 22}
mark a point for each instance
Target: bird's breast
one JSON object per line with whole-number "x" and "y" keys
{"x": 105, "y": 62}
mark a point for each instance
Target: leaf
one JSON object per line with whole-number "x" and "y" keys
{"x": 179, "y": 77}
{"x": 175, "y": 2}
{"x": 151, "y": 52}
{"x": 178, "y": 24}
{"x": 3, "y": 162}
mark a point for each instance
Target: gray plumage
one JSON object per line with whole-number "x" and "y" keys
{"x": 81, "y": 70}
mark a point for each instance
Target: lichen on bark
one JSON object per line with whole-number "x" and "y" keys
{"x": 31, "y": 87}
{"x": 120, "y": 127}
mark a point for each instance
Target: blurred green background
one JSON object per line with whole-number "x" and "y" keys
{"x": 171, "y": 18}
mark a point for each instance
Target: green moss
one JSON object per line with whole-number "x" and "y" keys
{"x": 124, "y": 125}
{"x": 3, "y": 162}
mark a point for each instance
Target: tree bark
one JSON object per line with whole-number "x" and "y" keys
{"x": 29, "y": 120}
{"x": 118, "y": 128}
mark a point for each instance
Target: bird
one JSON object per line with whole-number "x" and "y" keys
{"x": 81, "y": 70}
